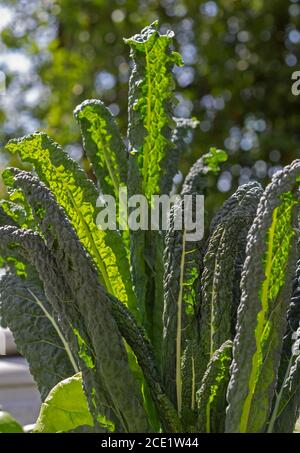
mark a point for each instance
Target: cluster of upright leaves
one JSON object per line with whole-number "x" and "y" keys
{"x": 266, "y": 293}
{"x": 78, "y": 196}
{"x": 155, "y": 145}
{"x": 81, "y": 305}
{"x": 55, "y": 243}
{"x": 139, "y": 331}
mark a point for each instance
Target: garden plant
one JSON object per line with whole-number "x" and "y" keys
{"x": 146, "y": 331}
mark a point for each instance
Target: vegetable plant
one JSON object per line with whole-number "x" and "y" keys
{"x": 146, "y": 331}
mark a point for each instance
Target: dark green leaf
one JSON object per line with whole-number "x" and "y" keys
{"x": 37, "y": 332}
{"x": 266, "y": 289}
{"x": 211, "y": 397}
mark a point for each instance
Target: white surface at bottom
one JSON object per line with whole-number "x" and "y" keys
{"x": 18, "y": 392}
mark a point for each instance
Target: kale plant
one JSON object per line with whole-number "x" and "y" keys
{"x": 146, "y": 331}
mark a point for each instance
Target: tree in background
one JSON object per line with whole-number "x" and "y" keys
{"x": 239, "y": 58}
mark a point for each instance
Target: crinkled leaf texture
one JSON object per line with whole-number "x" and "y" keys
{"x": 37, "y": 331}
{"x": 70, "y": 255}
{"x": 78, "y": 196}
{"x": 183, "y": 261}
{"x": 5, "y": 219}
{"x": 225, "y": 248}
{"x": 211, "y": 397}
{"x": 103, "y": 145}
{"x": 136, "y": 338}
{"x": 65, "y": 408}
{"x": 286, "y": 409}
{"x": 112, "y": 390}
{"x": 266, "y": 291}
{"x": 183, "y": 267}
{"x": 153, "y": 160}
{"x": 150, "y": 101}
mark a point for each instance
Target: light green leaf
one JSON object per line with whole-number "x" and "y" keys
{"x": 103, "y": 145}
{"x": 78, "y": 196}
{"x": 65, "y": 408}
{"x": 150, "y": 100}
{"x": 8, "y": 424}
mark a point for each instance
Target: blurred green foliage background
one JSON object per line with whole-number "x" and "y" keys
{"x": 239, "y": 57}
